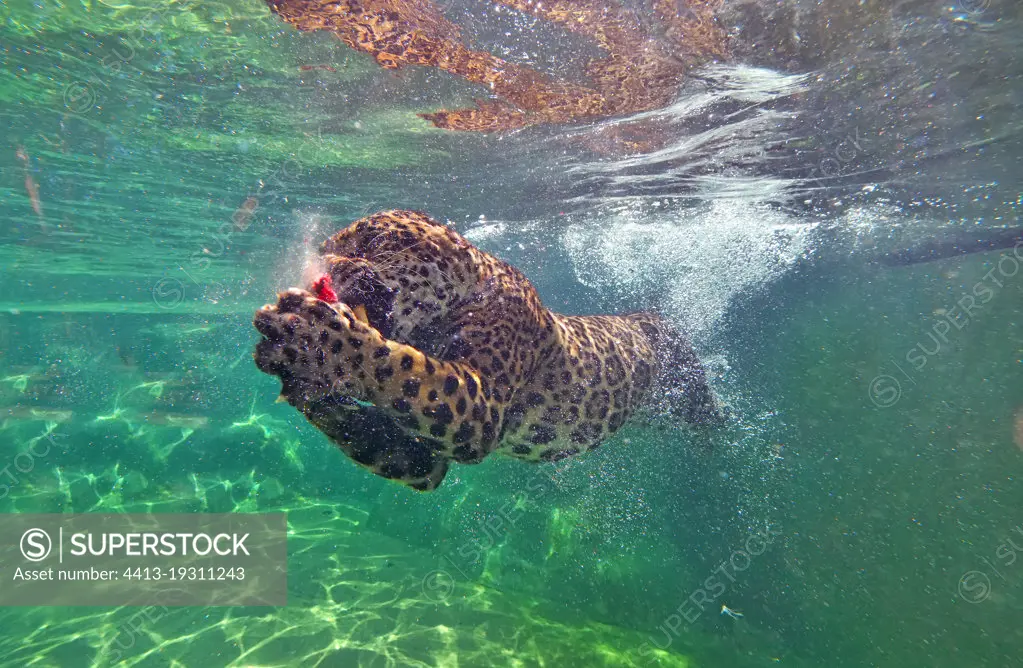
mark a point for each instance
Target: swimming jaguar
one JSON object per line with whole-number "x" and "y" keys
{"x": 415, "y": 349}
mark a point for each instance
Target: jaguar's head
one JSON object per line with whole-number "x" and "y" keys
{"x": 405, "y": 275}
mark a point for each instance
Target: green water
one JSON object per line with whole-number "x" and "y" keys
{"x": 847, "y": 521}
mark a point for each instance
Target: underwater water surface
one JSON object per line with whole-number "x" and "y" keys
{"x": 830, "y": 209}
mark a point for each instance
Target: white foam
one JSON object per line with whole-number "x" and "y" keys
{"x": 694, "y": 262}
{"x": 302, "y": 263}
{"x": 485, "y": 232}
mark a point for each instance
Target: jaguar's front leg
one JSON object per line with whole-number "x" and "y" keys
{"x": 328, "y": 355}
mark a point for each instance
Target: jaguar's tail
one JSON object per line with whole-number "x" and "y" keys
{"x": 682, "y": 380}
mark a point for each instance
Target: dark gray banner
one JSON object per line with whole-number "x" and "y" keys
{"x": 158, "y": 559}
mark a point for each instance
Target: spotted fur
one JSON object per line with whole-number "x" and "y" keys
{"x": 436, "y": 352}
